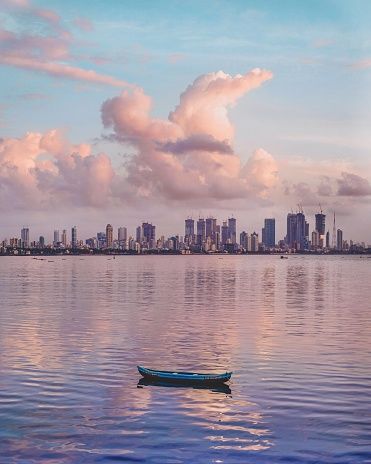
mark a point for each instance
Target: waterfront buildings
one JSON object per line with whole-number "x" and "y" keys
{"x": 189, "y": 231}
{"x": 109, "y": 236}
{"x": 339, "y": 240}
{"x": 74, "y": 237}
{"x": 269, "y": 233}
{"x": 210, "y": 237}
{"x": 122, "y": 237}
{"x": 64, "y": 238}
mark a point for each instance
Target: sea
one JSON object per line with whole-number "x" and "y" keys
{"x": 295, "y": 332}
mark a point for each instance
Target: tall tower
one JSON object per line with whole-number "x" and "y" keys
{"x": 189, "y": 230}
{"x": 74, "y": 237}
{"x": 25, "y": 237}
{"x": 109, "y": 236}
{"x": 201, "y": 231}
{"x": 334, "y": 235}
{"x": 232, "y": 230}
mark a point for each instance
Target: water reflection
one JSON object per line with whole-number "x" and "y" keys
{"x": 295, "y": 332}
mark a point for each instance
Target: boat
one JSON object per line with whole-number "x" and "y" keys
{"x": 184, "y": 377}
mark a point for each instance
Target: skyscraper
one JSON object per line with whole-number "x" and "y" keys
{"x": 74, "y": 237}
{"x": 320, "y": 223}
{"x": 109, "y": 236}
{"x": 339, "y": 240}
{"x": 254, "y": 240}
{"x": 297, "y": 231}
{"x": 148, "y": 232}
{"x": 41, "y": 241}
{"x": 232, "y": 231}
{"x": 210, "y": 228}
{"x": 122, "y": 236}
{"x": 320, "y": 227}
{"x": 64, "y": 237}
{"x": 269, "y": 233}
{"x": 201, "y": 231}
{"x": 225, "y": 233}
{"x": 102, "y": 240}
{"x": 56, "y": 237}
{"x": 25, "y": 237}
{"x": 291, "y": 236}
{"x": 243, "y": 240}
{"x": 189, "y": 230}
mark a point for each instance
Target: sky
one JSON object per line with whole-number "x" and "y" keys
{"x": 122, "y": 112}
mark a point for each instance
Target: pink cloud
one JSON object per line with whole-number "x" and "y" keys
{"x": 47, "y": 53}
{"x": 362, "y": 64}
{"x": 46, "y": 170}
{"x": 62, "y": 70}
{"x": 190, "y": 154}
{"x": 203, "y": 107}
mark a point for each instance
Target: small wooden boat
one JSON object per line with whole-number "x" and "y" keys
{"x": 184, "y": 377}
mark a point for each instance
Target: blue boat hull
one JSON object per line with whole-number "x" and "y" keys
{"x": 183, "y": 377}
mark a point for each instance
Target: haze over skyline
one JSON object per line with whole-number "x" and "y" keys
{"x": 122, "y": 113}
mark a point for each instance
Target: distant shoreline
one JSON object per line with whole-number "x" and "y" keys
{"x": 285, "y": 255}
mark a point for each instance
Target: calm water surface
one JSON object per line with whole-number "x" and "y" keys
{"x": 295, "y": 332}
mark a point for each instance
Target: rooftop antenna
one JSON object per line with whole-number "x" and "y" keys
{"x": 320, "y": 207}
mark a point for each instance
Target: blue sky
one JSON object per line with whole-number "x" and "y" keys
{"x": 317, "y": 106}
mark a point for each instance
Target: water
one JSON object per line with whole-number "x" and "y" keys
{"x": 295, "y": 332}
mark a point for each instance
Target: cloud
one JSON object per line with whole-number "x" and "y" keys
{"x": 47, "y": 53}
{"x": 353, "y": 185}
{"x": 63, "y": 70}
{"x": 203, "y": 107}
{"x": 190, "y": 154}
{"x": 199, "y": 142}
{"x": 47, "y": 170}
{"x": 362, "y": 64}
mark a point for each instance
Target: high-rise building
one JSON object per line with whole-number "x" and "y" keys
{"x": 339, "y": 240}
{"x": 328, "y": 239}
{"x": 254, "y": 242}
{"x": 101, "y": 240}
{"x": 243, "y": 240}
{"x": 297, "y": 231}
{"x": 315, "y": 239}
{"x": 25, "y": 237}
{"x": 109, "y": 236}
{"x": 291, "y": 237}
{"x": 269, "y": 233}
{"x": 122, "y": 236}
{"x": 64, "y": 237}
{"x": 210, "y": 228}
{"x": 138, "y": 234}
{"x": 189, "y": 231}
{"x": 74, "y": 237}
{"x": 320, "y": 227}
{"x": 41, "y": 241}
{"x": 225, "y": 233}
{"x": 232, "y": 230}
{"x": 301, "y": 237}
{"x": 56, "y": 237}
{"x": 201, "y": 231}
{"x": 148, "y": 232}
{"x": 320, "y": 223}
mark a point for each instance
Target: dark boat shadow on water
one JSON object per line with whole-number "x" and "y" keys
{"x": 217, "y": 388}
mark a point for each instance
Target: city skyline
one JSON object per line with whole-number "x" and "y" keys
{"x": 101, "y": 115}
{"x": 203, "y": 235}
